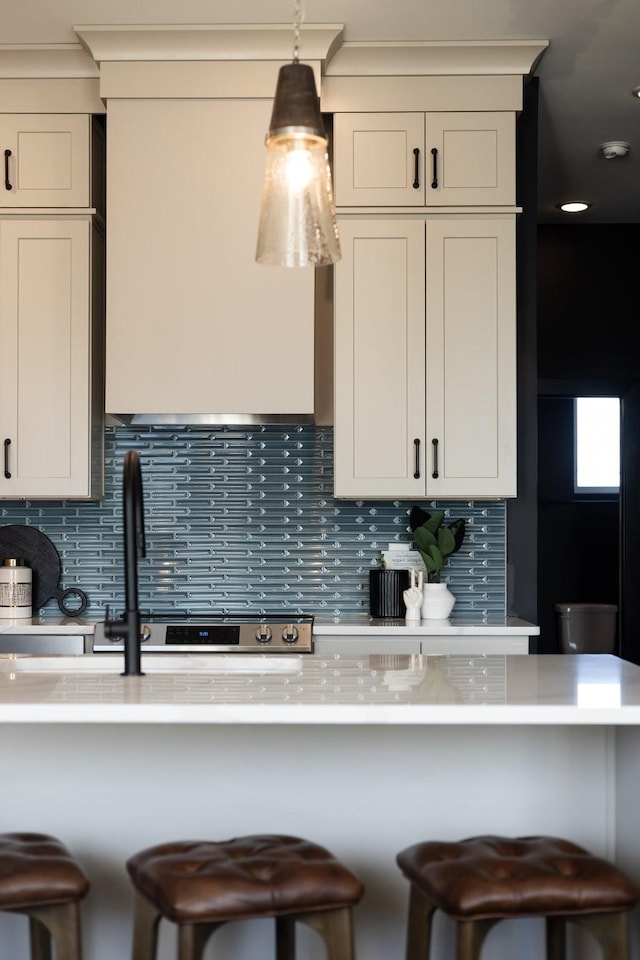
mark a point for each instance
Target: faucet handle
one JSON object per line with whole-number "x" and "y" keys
{"x": 111, "y": 624}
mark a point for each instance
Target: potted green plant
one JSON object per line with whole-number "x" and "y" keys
{"x": 436, "y": 541}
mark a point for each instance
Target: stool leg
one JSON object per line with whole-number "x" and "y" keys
{"x": 145, "y": 929}
{"x": 470, "y": 935}
{"x": 419, "y": 920}
{"x": 335, "y": 928}
{"x": 611, "y": 930}
{"x": 58, "y": 924}
{"x": 556, "y": 933}
{"x": 285, "y": 938}
{"x": 40, "y": 940}
{"x": 193, "y": 938}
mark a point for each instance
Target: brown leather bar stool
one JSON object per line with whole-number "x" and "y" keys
{"x": 201, "y": 885}
{"x": 39, "y": 878}
{"x": 480, "y": 881}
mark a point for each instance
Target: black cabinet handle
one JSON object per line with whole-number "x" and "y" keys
{"x": 7, "y": 444}
{"x": 416, "y": 169}
{"x": 416, "y": 444}
{"x": 434, "y": 154}
{"x": 7, "y": 183}
{"x": 435, "y": 458}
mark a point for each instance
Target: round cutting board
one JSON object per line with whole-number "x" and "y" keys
{"x": 39, "y": 553}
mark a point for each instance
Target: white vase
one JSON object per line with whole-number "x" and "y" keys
{"x": 437, "y": 601}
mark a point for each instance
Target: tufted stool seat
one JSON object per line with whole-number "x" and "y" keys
{"x": 39, "y": 878}
{"x": 201, "y": 885}
{"x": 480, "y": 881}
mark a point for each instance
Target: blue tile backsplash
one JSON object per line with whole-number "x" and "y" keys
{"x": 244, "y": 519}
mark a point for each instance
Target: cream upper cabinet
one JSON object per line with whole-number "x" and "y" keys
{"x": 471, "y": 357}
{"x": 50, "y": 363}
{"x": 425, "y": 358}
{"x": 425, "y": 160}
{"x": 194, "y": 325}
{"x": 46, "y": 160}
{"x": 379, "y": 159}
{"x": 379, "y": 371}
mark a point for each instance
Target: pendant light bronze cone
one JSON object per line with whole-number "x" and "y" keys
{"x": 296, "y": 102}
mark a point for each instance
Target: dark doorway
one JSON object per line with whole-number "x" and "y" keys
{"x": 630, "y": 526}
{"x": 587, "y": 346}
{"x": 578, "y": 535}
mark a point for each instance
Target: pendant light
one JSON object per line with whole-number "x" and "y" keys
{"x": 297, "y": 220}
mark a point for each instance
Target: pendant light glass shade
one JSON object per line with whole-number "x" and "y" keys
{"x": 297, "y": 220}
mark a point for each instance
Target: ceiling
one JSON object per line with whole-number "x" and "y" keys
{"x": 586, "y": 75}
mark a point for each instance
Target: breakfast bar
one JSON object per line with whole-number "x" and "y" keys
{"x": 365, "y": 755}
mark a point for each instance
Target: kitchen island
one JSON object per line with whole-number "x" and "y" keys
{"x": 364, "y": 755}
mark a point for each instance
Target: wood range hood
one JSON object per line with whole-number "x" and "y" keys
{"x": 197, "y": 333}
{"x": 164, "y": 350}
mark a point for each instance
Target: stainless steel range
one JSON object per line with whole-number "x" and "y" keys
{"x": 191, "y": 633}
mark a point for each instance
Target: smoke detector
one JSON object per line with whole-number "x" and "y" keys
{"x": 615, "y": 148}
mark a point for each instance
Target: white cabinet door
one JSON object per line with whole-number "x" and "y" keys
{"x": 474, "y": 645}
{"x": 417, "y": 160}
{"x": 471, "y": 159}
{"x": 379, "y": 374}
{"x": 46, "y": 160}
{"x": 194, "y": 324}
{"x": 379, "y": 159}
{"x": 420, "y": 416}
{"x": 469, "y": 645}
{"x": 471, "y": 357}
{"x": 45, "y": 368}
{"x": 365, "y": 646}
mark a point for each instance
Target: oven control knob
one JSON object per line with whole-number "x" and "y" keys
{"x": 263, "y": 633}
{"x": 290, "y": 633}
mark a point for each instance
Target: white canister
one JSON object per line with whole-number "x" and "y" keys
{"x": 15, "y": 589}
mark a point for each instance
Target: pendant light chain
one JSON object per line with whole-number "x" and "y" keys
{"x": 297, "y": 21}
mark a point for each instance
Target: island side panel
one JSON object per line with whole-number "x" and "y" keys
{"x": 365, "y": 792}
{"x": 627, "y": 834}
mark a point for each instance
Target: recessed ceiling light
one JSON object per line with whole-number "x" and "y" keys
{"x": 574, "y": 206}
{"x": 636, "y": 91}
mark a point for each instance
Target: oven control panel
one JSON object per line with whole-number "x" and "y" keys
{"x": 219, "y": 635}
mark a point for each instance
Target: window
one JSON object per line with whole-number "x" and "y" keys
{"x": 597, "y": 445}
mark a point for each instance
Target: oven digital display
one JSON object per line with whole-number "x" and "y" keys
{"x": 226, "y": 634}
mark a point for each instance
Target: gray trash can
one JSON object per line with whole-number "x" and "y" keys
{"x": 586, "y": 627}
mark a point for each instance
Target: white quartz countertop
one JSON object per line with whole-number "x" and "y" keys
{"x": 314, "y": 689}
{"x": 357, "y": 625}
{"x": 361, "y": 625}
{"x": 54, "y": 625}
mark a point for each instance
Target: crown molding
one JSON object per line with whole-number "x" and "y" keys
{"x": 320, "y": 43}
{"x": 40, "y": 61}
{"x": 437, "y": 58}
{"x": 269, "y": 41}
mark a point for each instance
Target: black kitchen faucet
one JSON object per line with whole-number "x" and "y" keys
{"x": 128, "y": 628}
